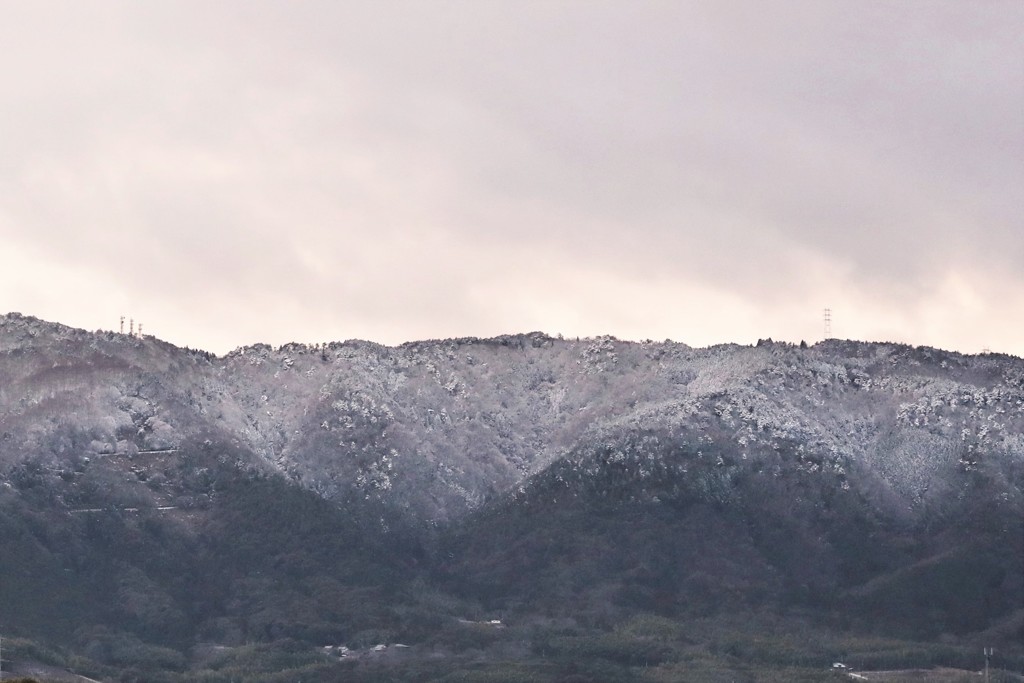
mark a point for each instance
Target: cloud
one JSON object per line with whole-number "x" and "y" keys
{"x": 274, "y": 171}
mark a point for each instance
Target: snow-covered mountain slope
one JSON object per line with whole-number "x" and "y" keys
{"x": 438, "y": 427}
{"x": 312, "y": 491}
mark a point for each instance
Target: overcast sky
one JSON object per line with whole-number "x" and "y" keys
{"x": 243, "y": 171}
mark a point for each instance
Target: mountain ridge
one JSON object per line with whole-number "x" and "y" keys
{"x": 588, "y": 479}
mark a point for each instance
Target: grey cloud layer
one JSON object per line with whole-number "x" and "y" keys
{"x": 393, "y": 168}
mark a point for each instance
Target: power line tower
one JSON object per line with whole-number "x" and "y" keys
{"x": 828, "y": 323}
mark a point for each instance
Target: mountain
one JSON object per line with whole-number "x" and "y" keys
{"x": 159, "y": 503}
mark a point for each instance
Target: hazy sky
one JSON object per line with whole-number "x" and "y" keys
{"x": 242, "y": 171}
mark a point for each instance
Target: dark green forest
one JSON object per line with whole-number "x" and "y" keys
{"x": 599, "y": 588}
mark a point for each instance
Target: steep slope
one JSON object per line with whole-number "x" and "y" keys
{"x": 163, "y": 496}
{"x": 439, "y": 427}
{"x": 858, "y": 480}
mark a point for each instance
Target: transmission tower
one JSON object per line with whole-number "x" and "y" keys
{"x": 140, "y": 331}
{"x": 131, "y": 327}
{"x": 122, "y": 324}
{"x": 828, "y": 323}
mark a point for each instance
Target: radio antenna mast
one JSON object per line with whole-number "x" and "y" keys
{"x": 828, "y": 323}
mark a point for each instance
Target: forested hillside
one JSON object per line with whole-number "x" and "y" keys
{"x": 625, "y": 510}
